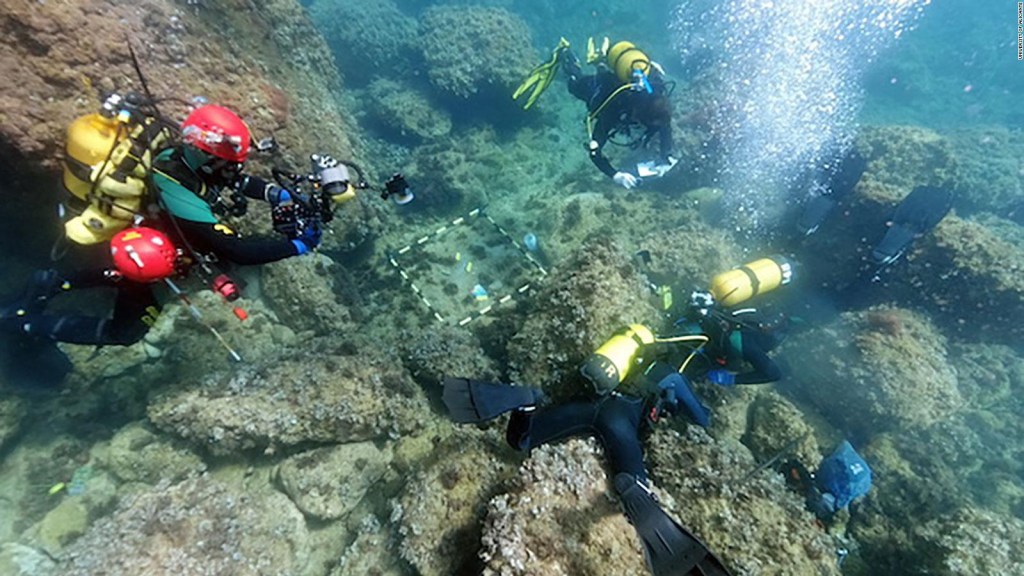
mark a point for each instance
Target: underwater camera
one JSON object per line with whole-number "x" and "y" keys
{"x": 397, "y": 187}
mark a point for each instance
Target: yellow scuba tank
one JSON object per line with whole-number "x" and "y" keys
{"x": 624, "y": 57}
{"x": 107, "y": 159}
{"x": 758, "y": 277}
{"x": 90, "y": 140}
{"x": 612, "y": 362}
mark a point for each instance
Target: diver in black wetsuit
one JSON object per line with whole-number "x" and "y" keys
{"x": 626, "y": 94}
{"x": 619, "y": 420}
{"x": 189, "y": 180}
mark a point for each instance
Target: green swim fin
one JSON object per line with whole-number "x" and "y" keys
{"x": 669, "y": 548}
{"x": 541, "y": 76}
{"x": 472, "y": 401}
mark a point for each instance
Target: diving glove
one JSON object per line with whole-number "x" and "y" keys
{"x": 721, "y": 377}
{"x": 626, "y": 180}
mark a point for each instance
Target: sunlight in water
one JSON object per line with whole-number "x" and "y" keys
{"x": 790, "y": 75}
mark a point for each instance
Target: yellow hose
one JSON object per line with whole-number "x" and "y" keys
{"x": 692, "y": 338}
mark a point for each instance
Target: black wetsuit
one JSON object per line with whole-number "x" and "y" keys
{"x": 136, "y": 306}
{"x": 616, "y": 420}
{"x": 619, "y": 113}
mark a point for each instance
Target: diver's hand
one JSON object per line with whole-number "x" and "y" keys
{"x": 626, "y": 180}
{"x": 308, "y": 240}
{"x": 721, "y": 377}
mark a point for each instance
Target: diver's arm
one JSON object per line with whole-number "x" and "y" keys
{"x": 223, "y": 242}
{"x": 600, "y": 161}
{"x": 665, "y": 138}
{"x": 257, "y": 188}
{"x": 765, "y": 369}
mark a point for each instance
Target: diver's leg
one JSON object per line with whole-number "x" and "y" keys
{"x": 618, "y": 428}
{"x": 133, "y": 311}
{"x": 530, "y": 428}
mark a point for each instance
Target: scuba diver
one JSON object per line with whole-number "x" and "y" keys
{"x": 637, "y": 379}
{"x": 118, "y": 164}
{"x": 618, "y": 421}
{"x": 627, "y": 96}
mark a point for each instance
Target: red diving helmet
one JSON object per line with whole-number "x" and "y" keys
{"x": 144, "y": 254}
{"x": 218, "y": 132}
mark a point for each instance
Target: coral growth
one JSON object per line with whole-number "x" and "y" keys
{"x": 406, "y": 111}
{"x": 473, "y": 49}
{"x": 199, "y": 526}
{"x": 583, "y": 303}
{"x": 369, "y": 38}
{"x": 313, "y": 397}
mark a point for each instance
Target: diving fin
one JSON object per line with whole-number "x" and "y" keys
{"x": 593, "y": 54}
{"x": 914, "y": 217}
{"x": 669, "y": 548}
{"x": 541, "y": 76}
{"x": 31, "y": 362}
{"x": 473, "y": 401}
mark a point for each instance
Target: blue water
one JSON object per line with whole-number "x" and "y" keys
{"x": 766, "y": 92}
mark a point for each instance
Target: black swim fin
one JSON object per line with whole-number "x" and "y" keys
{"x": 472, "y": 401}
{"x": 32, "y": 362}
{"x": 914, "y": 217}
{"x": 670, "y": 549}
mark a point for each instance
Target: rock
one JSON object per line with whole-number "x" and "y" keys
{"x": 973, "y": 541}
{"x": 301, "y": 291}
{"x": 440, "y": 512}
{"x": 314, "y": 397}
{"x": 20, "y": 560}
{"x": 371, "y": 38}
{"x": 61, "y": 525}
{"x": 135, "y": 454}
{"x": 328, "y": 483}
{"x": 560, "y": 517}
{"x": 492, "y": 45}
{"x": 12, "y": 410}
{"x": 82, "y": 500}
{"x": 434, "y": 353}
{"x": 152, "y": 352}
{"x": 374, "y": 551}
{"x": 773, "y": 424}
{"x": 407, "y": 111}
{"x": 758, "y": 526}
{"x": 880, "y": 369}
{"x": 196, "y": 527}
